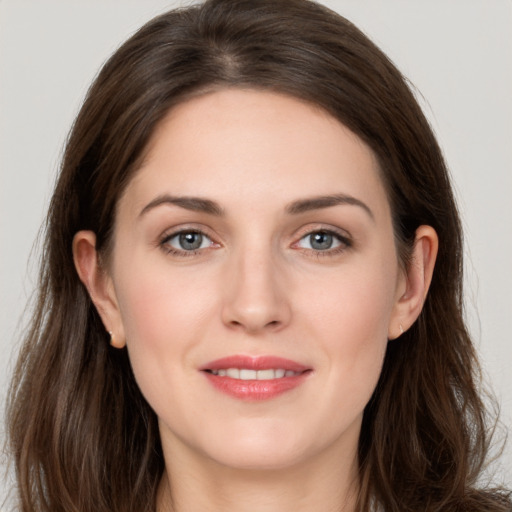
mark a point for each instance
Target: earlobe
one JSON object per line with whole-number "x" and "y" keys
{"x": 115, "y": 342}
{"x": 417, "y": 277}
{"x": 99, "y": 285}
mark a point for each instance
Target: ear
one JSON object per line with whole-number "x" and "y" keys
{"x": 99, "y": 285}
{"x": 415, "y": 282}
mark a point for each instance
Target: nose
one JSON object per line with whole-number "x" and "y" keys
{"x": 255, "y": 298}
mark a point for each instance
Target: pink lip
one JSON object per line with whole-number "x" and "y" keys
{"x": 254, "y": 363}
{"x": 255, "y": 390}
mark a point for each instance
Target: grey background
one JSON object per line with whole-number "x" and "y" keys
{"x": 458, "y": 53}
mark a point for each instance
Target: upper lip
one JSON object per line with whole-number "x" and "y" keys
{"x": 254, "y": 363}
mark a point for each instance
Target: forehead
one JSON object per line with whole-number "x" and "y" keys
{"x": 246, "y": 146}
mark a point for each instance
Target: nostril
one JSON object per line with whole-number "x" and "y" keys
{"x": 273, "y": 324}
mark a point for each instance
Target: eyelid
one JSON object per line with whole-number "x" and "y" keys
{"x": 343, "y": 236}
{"x": 171, "y": 233}
{"x": 168, "y": 239}
{"x": 186, "y": 228}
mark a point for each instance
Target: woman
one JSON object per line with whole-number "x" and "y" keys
{"x": 251, "y": 296}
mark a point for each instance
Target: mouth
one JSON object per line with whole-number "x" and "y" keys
{"x": 248, "y": 374}
{"x": 255, "y": 378}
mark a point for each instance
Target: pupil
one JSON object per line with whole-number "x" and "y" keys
{"x": 321, "y": 241}
{"x": 191, "y": 241}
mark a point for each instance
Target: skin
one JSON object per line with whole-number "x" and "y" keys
{"x": 257, "y": 286}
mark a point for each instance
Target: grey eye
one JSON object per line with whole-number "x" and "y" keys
{"x": 189, "y": 241}
{"x": 321, "y": 241}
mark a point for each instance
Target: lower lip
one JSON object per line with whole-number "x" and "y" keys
{"x": 255, "y": 390}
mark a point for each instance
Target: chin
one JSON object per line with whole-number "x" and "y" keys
{"x": 251, "y": 459}
{"x": 268, "y": 447}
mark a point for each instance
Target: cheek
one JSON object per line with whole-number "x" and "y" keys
{"x": 355, "y": 305}
{"x": 158, "y": 305}
{"x": 163, "y": 317}
{"x": 350, "y": 317}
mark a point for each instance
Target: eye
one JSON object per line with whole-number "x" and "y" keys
{"x": 323, "y": 241}
{"x": 187, "y": 241}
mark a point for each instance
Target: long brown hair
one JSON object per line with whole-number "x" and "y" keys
{"x": 82, "y": 436}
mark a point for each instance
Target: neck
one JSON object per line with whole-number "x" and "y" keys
{"x": 323, "y": 485}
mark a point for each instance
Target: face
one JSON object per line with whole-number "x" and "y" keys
{"x": 255, "y": 279}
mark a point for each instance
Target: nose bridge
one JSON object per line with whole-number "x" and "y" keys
{"x": 255, "y": 297}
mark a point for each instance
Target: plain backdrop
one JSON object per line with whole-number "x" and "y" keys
{"x": 457, "y": 53}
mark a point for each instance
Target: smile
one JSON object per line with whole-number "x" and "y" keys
{"x": 255, "y": 378}
{"x": 248, "y": 374}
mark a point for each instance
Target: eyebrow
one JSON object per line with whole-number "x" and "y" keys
{"x": 196, "y": 204}
{"x": 199, "y": 204}
{"x": 319, "y": 202}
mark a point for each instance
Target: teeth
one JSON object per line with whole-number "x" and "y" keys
{"x": 234, "y": 373}
{"x": 246, "y": 374}
{"x": 266, "y": 374}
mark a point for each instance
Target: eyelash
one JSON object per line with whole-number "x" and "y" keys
{"x": 164, "y": 242}
{"x": 344, "y": 241}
